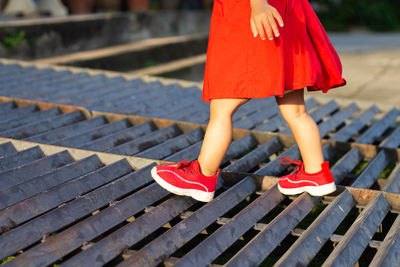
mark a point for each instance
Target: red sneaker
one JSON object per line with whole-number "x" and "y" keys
{"x": 184, "y": 178}
{"x": 316, "y": 184}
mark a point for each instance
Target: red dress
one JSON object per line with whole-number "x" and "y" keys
{"x": 241, "y": 66}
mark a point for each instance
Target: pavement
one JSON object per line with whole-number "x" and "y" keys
{"x": 371, "y": 66}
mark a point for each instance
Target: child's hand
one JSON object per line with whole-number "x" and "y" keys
{"x": 263, "y": 14}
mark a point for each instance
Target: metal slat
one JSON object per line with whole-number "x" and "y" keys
{"x": 147, "y": 141}
{"x": 356, "y": 125}
{"x": 145, "y": 224}
{"x": 7, "y": 107}
{"x": 337, "y": 119}
{"x": 120, "y": 137}
{"x": 393, "y": 140}
{"x": 93, "y": 134}
{"x": 256, "y": 118}
{"x": 226, "y": 235}
{"x": 112, "y": 245}
{"x": 32, "y": 169}
{"x": 370, "y": 173}
{"x": 32, "y": 231}
{"x": 37, "y": 184}
{"x": 131, "y": 86}
{"x": 73, "y": 237}
{"x": 315, "y": 236}
{"x": 68, "y": 130}
{"x": 172, "y": 145}
{"x": 7, "y": 149}
{"x": 156, "y": 248}
{"x": 254, "y": 252}
{"x": 379, "y": 127}
{"x": 34, "y": 116}
{"x": 38, "y": 127}
{"x": 20, "y": 157}
{"x": 357, "y": 237}
{"x": 317, "y": 114}
{"x": 393, "y": 181}
{"x": 274, "y": 123}
{"x": 165, "y": 101}
{"x": 111, "y": 100}
{"x": 18, "y": 113}
{"x": 255, "y": 157}
{"x": 167, "y": 243}
{"x": 389, "y": 251}
{"x": 156, "y": 97}
{"x": 264, "y": 242}
{"x": 36, "y": 205}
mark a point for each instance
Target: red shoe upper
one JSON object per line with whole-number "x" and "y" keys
{"x": 300, "y": 178}
{"x": 187, "y": 175}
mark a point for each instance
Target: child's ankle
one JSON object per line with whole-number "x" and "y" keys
{"x": 205, "y": 174}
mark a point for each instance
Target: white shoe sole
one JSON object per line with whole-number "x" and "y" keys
{"x": 312, "y": 190}
{"x": 194, "y": 193}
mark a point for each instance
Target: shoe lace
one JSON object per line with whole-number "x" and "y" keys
{"x": 181, "y": 165}
{"x": 287, "y": 161}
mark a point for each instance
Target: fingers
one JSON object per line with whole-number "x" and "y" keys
{"x": 273, "y": 25}
{"x": 267, "y": 27}
{"x": 266, "y": 21}
{"x": 260, "y": 29}
{"x": 253, "y": 27}
{"x": 278, "y": 17}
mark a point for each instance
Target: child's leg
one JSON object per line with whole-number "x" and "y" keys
{"x": 304, "y": 129}
{"x": 218, "y": 135}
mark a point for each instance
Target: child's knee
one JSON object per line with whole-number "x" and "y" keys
{"x": 225, "y": 108}
{"x": 293, "y": 113}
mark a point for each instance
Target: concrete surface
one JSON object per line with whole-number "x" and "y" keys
{"x": 371, "y": 66}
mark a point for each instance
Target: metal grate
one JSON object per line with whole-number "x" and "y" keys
{"x": 76, "y": 189}
{"x": 56, "y": 209}
{"x": 153, "y": 99}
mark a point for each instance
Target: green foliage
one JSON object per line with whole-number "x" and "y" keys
{"x": 6, "y": 260}
{"x": 12, "y": 38}
{"x": 382, "y": 15}
{"x": 150, "y": 63}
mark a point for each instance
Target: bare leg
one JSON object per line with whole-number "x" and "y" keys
{"x": 218, "y": 135}
{"x": 304, "y": 129}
